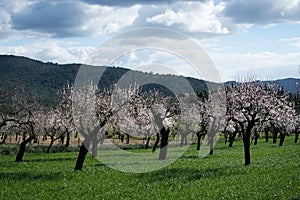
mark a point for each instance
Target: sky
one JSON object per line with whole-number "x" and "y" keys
{"x": 241, "y": 37}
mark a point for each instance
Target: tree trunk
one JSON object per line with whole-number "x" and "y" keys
{"x": 255, "y": 139}
{"x": 182, "y": 138}
{"x": 164, "y": 143}
{"x": 211, "y": 147}
{"x": 82, "y": 154}
{"x": 50, "y": 145}
{"x": 67, "y": 140}
{"x": 267, "y": 134}
{"x": 211, "y": 143}
{"x": 94, "y": 145}
{"x": 122, "y": 138}
{"x": 198, "y": 140}
{"x": 156, "y": 142}
{"x": 127, "y": 138}
{"x": 275, "y": 136}
{"x": 147, "y": 142}
{"x": 20, "y": 155}
{"x": 231, "y": 138}
{"x": 246, "y": 140}
{"x": 282, "y": 137}
{"x": 4, "y": 139}
{"x": 296, "y": 136}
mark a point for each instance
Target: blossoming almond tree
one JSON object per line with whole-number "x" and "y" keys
{"x": 249, "y": 104}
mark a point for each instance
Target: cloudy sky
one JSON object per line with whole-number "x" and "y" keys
{"x": 241, "y": 37}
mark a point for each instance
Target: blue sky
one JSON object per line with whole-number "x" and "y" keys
{"x": 260, "y": 37}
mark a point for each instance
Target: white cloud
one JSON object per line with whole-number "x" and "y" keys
{"x": 292, "y": 41}
{"x": 103, "y": 20}
{"x": 53, "y": 51}
{"x": 265, "y": 65}
{"x": 192, "y": 17}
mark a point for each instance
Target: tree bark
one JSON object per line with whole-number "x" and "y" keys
{"x": 127, "y": 138}
{"x": 94, "y": 145}
{"x": 282, "y": 137}
{"x": 21, "y": 152}
{"x": 231, "y": 138}
{"x": 267, "y": 134}
{"x": 164, "y": 143}
{"x": 275, "y": 136}
{"x": 255, "y": 139}
{"x": 246, "y": 140}
{"x": 182, "y": 139}
{"x": 81, "y": 156}
{"x": 156, "y": 142}
{"x": 4, "y": 139}
{"x": 147, "y": 142}
{"x": 50, "y": 145}
{"x": 198, "y": 140}
{"x": 122, "y": 138}
{"x": 67, "y": 140}
{"x": 296, "y": 136}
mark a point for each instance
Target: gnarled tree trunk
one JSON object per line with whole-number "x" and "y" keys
{"x": 164, "y": 143}
{"x": 20, "y": 154}
{"x": 82, "y": 154}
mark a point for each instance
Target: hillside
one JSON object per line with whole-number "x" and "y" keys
{"x": 33, "y": 77}
{"x": 21, "y": 74}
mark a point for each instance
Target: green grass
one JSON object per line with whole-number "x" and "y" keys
{"x": 273, "y": 174}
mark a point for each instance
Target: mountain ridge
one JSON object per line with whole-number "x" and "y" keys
{"x": 46, "y": 78}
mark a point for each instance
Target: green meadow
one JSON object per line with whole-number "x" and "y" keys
{"x": 274, "y": 173}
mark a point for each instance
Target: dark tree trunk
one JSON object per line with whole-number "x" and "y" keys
{"x": 267, "y": 134}
{"x": 156, "y": 142}
{"x": 127, "y": 138}
{"x": 282, "y": 137}
{"x": 35, "y": 140}
{"x": 147, "y": 142}
{"x": 62, "y": 139}
{"x": 4, "y": 139}
{"x": 296, "y": 136}
{"x": 211, "y": 147}
{"x": 20, "y": 154}
{"x": 225, "y": 137}
{"x": 164, "y": 143}
{"x": 198, "y": 140}
{"x": 246, "y": 140}
{"x": 231, "y": 138}
{"x": 50, "y": 145}
{"x": 122, "y": 138}
{"x": 68, "y": 139}
{"x": 275, "y": 136}
{"x": 82, "y": 154}
{"x": 255, "y": 139}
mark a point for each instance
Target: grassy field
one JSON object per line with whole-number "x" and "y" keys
{"x": 274, "y": 173}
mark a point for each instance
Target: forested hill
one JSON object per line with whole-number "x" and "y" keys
{"x": 36, "y": 78}
{"x": 33, "y": 77}
{"x": 290, "y": 85}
